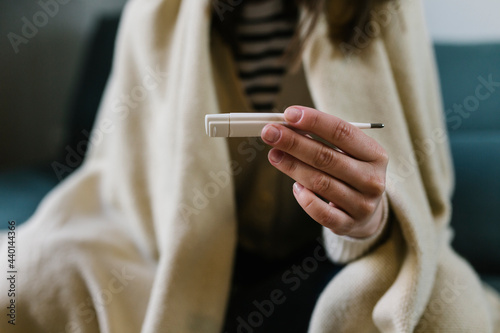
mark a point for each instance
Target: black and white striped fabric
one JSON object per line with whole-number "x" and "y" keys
{"x": 264, "y": 33}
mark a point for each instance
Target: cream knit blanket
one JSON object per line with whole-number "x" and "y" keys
{"x": 128, "y": 243}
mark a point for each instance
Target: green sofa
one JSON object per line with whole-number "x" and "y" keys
{"x": 470, "y": 83}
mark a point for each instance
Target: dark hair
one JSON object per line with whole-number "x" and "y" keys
{"x": 345, "y": 17}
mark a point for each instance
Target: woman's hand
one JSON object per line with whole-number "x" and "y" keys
{"x": 352, "y": 183}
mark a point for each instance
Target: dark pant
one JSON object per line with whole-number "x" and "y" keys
{"x": 277, "y": 295}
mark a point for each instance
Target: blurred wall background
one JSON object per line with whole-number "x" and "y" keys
{"x": 464, "y": 20}
{"x": 38, "y": 74}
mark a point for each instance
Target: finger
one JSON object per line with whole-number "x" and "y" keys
{"x": 361, "y": 175}
{"x": 336, "y": 131}
{"x": 333, "y": 190}
{"x": 325, "y": 214}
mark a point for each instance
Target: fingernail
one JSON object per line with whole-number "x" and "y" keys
{"x": 297, "y": 188}
{"x": 293, "y": 115}
{"x": 270, "y": 134}
{"x": 276, "y": 155}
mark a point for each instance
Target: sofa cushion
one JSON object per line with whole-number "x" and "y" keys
{"x": 476, "y": 203}
{"x": 21, "y": 191}
{"x": 470, "y": 83}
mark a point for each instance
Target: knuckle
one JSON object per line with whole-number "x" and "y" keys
{"x": 375, "y": 186}
{"x": 291, "y": 167}
{"x": 382, "y": 156}
{"x": 325, "y": 218}
{"x": 321, "y": 183}
{"x": 366, "y": 207}
{"x": 344, "y": 228}
{"x": 291, "y": 143}
{"x": 325, "y": 158}
{"x": 342, "y": 132}
{"x": 378, "y": 188}
{"x": 307, "y": 204}
{"x": 314, "y": 120}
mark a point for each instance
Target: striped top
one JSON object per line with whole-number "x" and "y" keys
{"x": 263, "y": 33}
{"x": 271, "y": 224}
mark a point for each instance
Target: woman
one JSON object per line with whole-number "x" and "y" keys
{"x": 143, "y": 236}
{"x": 273, "y": 230}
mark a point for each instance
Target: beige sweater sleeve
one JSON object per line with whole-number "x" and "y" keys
{"x": 343, "y": 249}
